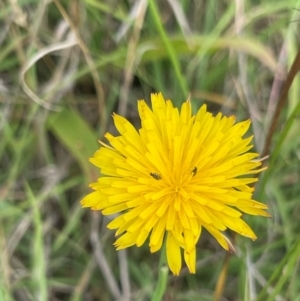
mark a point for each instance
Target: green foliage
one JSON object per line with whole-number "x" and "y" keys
{"x": 66, "y": 66}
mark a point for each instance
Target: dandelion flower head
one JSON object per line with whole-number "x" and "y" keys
{"x": 179, "y": 173}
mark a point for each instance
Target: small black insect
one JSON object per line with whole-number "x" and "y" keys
{"x": 155, "y": 175}
{"x": 194, "y": 171}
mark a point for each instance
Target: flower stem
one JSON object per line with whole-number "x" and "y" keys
{"x": 162, "y": 276}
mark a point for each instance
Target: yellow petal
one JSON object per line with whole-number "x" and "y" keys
{"x": 190, "y": 260}
{"x": 173, "y": 254}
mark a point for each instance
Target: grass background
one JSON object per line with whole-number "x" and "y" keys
{"x": 65, "y": 67}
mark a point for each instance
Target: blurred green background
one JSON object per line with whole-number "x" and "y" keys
{"x": 65, "y": 67}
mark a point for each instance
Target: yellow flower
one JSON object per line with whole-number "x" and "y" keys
{"x": 175, "y": 175}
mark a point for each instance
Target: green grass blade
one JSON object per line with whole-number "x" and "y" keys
{"x": 38, "y": 253}
{"x": 76, "y": 135}
{"x": 169, "y": 47}
{"x": 281, "y": 274}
